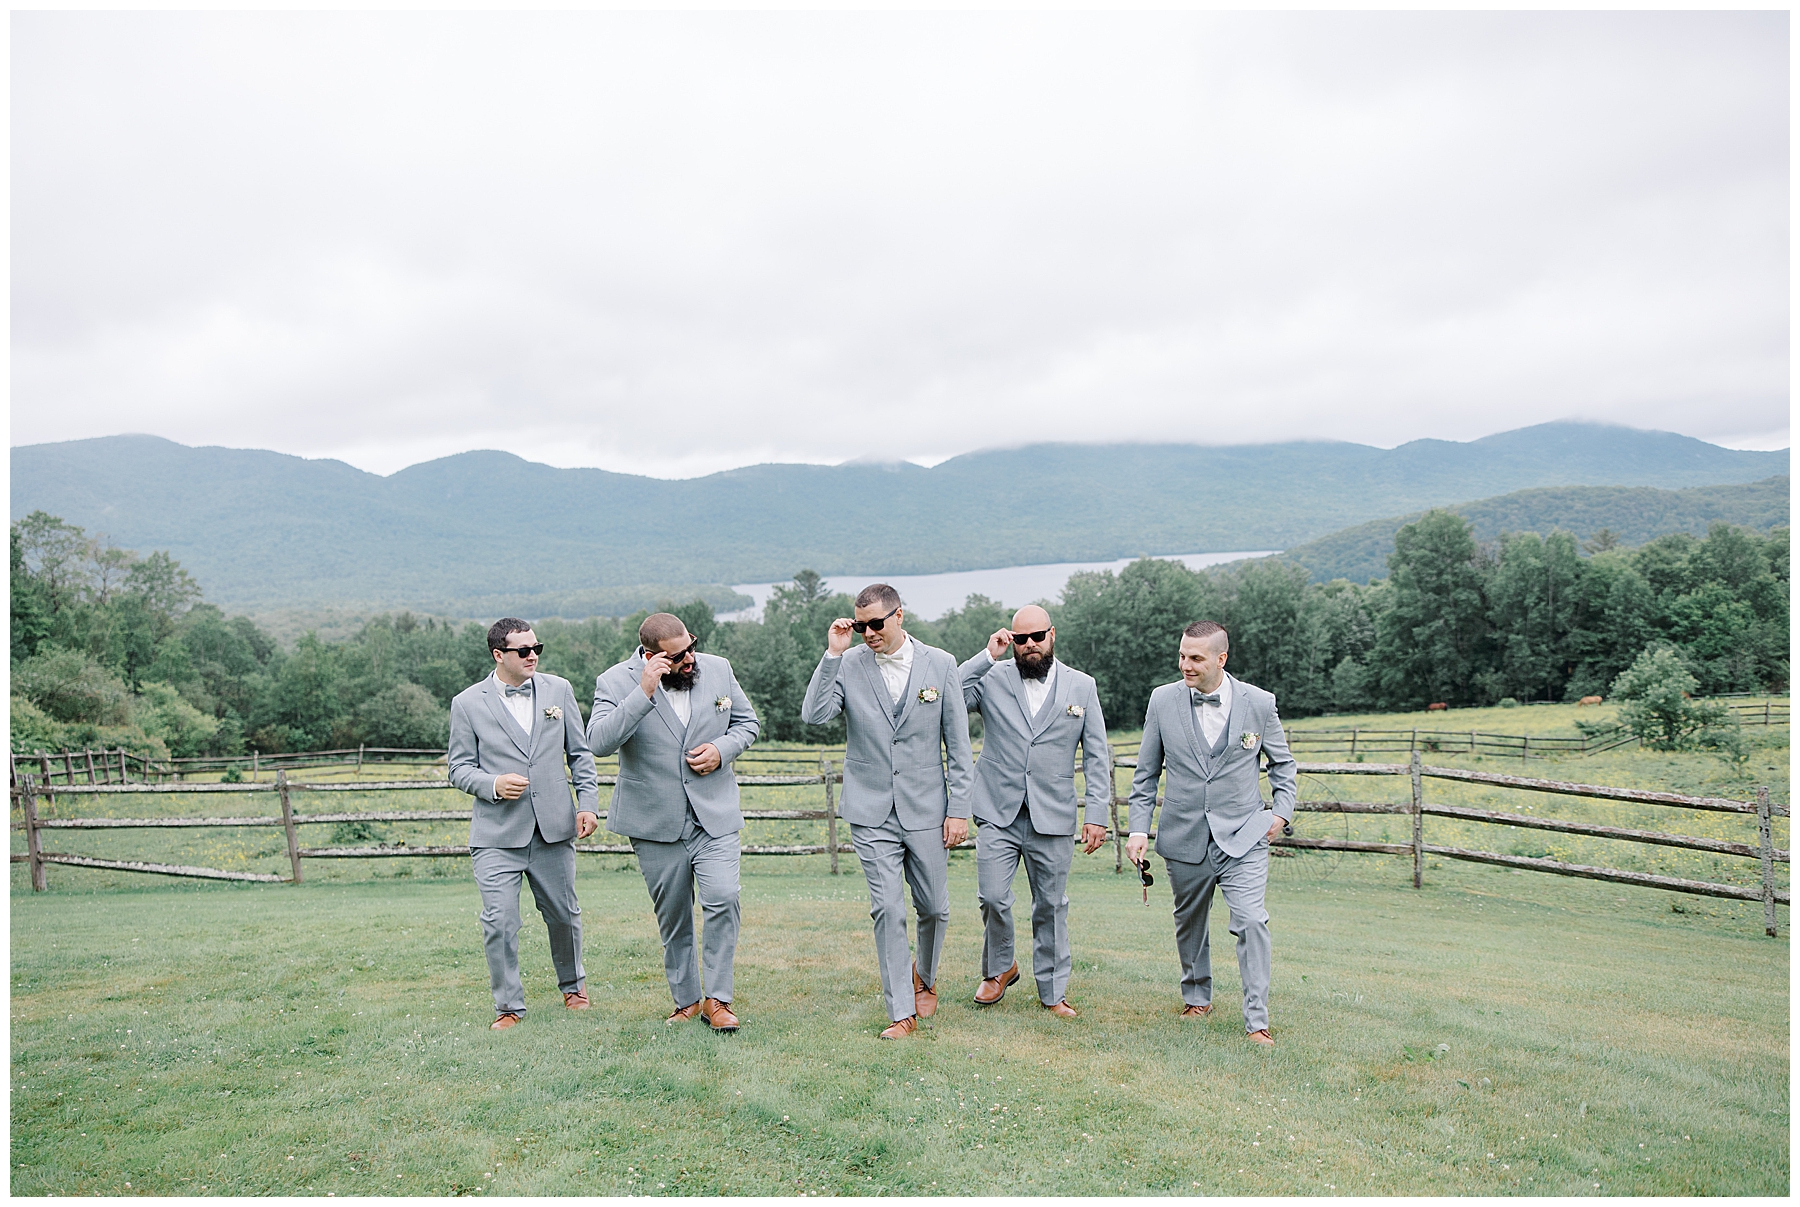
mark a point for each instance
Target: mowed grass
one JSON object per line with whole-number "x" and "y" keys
{"x": 1494, "y": 1033}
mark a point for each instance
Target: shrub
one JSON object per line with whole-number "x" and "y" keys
{"x": 1656, "y": 706}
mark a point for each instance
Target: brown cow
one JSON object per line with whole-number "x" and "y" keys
{"x": 1440, "y": 706}
{"x": 1587, "y": 700}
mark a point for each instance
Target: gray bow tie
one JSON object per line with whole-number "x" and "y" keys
{"x": 1201, "y": 697}
{"x": 524, "y": 689}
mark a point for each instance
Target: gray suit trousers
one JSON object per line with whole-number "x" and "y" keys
{"x": 998, "y": 852}
{"x": 550, "y": 866}
{"x": 674, "y": 872}
{"x": 1243, "y": 881}
{"x": 890, "y": 856}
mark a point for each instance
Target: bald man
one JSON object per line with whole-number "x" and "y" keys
{"x": 1034, "y": 712}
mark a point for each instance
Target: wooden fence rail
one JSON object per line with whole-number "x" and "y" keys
{"x": 29, "y": 790}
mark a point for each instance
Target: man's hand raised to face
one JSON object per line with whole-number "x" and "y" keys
{"x": 838, "y": 637}
{"x": 997, "y": 644}
{"x": 655, "y": 667}
{"x": 1091, "y": 838}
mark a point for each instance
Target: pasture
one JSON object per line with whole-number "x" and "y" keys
{"x": 1493, "y": 1033}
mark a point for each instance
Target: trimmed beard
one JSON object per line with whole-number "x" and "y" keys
{"x": 680, "y": 681}
{"x": 1036, "y": 668}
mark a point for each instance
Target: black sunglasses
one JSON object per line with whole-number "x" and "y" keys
{"x": 1022, "y": 638}
{"x": 863, "y": 626}
{"x": 678, "y": 658}
{"x": 1144, "y": 876}
{"x": 523, "y": 650}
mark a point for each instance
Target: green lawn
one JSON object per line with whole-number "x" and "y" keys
{"x": 1495, "y": 1033}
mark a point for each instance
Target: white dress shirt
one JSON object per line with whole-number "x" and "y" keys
{"x": 1212, "y": 721}
{"x": 519, "y": 706}
{"x": 896, "y": 669}
{"x": 1209, "y": 721}
{"x": 682, "y": 702}
{"x": 1036, "y": 690}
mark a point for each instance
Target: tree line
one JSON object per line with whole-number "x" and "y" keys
{"x": 112, "y": 649}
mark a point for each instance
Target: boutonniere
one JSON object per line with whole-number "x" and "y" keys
{"x": 723, "y": 704}
{"x": 1076, "y": 710}
{"x": 1249, "y": 740}
{"x": 928, "y": 695}
{"x": 553, "y": 713}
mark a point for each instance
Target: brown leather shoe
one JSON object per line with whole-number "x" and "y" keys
{"x": 1262, "y": 1037}
{"x": 718, "y": 1015}
{"x": 1062, "y": 1009}
{"x": 924, "y": 999}
{"x": 505, "y": 1021}
{"x": 901, "y": 1029}
{"x": 994, "y": 988}
{"x": 1198, "y": 1011}
{"x": 682, "y": 1015}
{"x": 577, "y": 1000}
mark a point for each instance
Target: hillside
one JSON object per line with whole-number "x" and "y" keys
{"x": 262, "y": 529}
{"x": 1634, "y": 514}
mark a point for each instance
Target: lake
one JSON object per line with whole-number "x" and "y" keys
{"x": 931, "y": 595}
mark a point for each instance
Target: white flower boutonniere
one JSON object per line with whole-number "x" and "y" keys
{"x": 723, "y": 704}
{"x": 553, "y": 713}
{"x": 928, "y": 695}
{"x": 1249, "y": 740}
{"x": 1076, "y": 710}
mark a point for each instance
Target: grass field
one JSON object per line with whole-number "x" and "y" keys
{"x": 1492, "y": 1034}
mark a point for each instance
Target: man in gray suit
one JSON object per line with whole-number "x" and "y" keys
{"x": 677, "y": 800}
{"x": 510, "y": 736}
{"x": 1034, "y": 712}
{"x": 1211, "y": 732}
{"x": 906, "y": 784}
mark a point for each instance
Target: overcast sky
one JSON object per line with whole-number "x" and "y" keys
{"x": 672, "y": 244}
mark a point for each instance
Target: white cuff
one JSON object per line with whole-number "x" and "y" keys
{"x": 1138, "y": 834}
{"x": 829, "y": 654}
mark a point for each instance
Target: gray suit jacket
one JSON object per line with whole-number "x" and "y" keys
{"x": 1205, "y": 795}
{"x": 485, "y": 743}
{"x": 656, "y": 785}
{"x": 916, "y": 764}
{"x": 1027, "y": 760}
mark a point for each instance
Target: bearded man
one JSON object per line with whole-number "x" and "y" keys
{"x": 1034, "y": 711}
{"x": 677, "y": 800}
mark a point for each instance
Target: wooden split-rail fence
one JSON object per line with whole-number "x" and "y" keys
{"x": 29, "y": 790}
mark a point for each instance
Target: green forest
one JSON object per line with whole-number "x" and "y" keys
{"x": 113, "y": 649}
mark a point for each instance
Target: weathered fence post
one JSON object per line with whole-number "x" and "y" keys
{"x": 90, "y": 766}
{"x": 255, "y": 765}
{"x": 28, "y": 803}
{"x": 1765, "y": 834}
{"x": 359, "y": 757}
{"x": 829, "y": 774}
{"x": 1525, "y": 758}
{"x": 287, "y": 823}
{"x": 1353, "y": 745}
{"x": 1418, "y": 820}
{"x": 44, "y": 762}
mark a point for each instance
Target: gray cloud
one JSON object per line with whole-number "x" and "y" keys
{"x": 675, "y": 243}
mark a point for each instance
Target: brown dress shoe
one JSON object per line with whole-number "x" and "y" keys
{"x": 682, "y": 1015}
{"x": 1197, "y": 1011}
{"x": 1062, "y": 1009}
{"x": 577, "y": 1000}
{"x": 718, "y": 1015}
{"x": 505, "y": 1021}
{"x": 924, "y": 999}
{"x": 1262, "y": 1037}
{"x": 901, "y": 1029}
{"x": 994, "y": 988}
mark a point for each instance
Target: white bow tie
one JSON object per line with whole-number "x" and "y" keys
{"x": 892, "y": 658}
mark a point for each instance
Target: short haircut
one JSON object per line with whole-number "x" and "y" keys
{"x": 878, "y": 595}
{"x": 1206, "y": 628}
{"x": 503, "y": 628}
{"x": 657, "y": 628}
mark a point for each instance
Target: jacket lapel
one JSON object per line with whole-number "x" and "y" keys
{"x": 914, "y": 680}
{"x": 504, "y": 718}
{"x": 1059, "y": 700}
{"x": 700, "y": 697}
{"x": 1240, "y": 715}
{"x": 877, "y": 684}
{"x": 1186, "y": 705}
{"x": 538, "y": 723}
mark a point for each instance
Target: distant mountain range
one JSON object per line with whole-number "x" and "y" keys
{"x": 1634, "y": 514}
{"x": 484, "y": 532}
